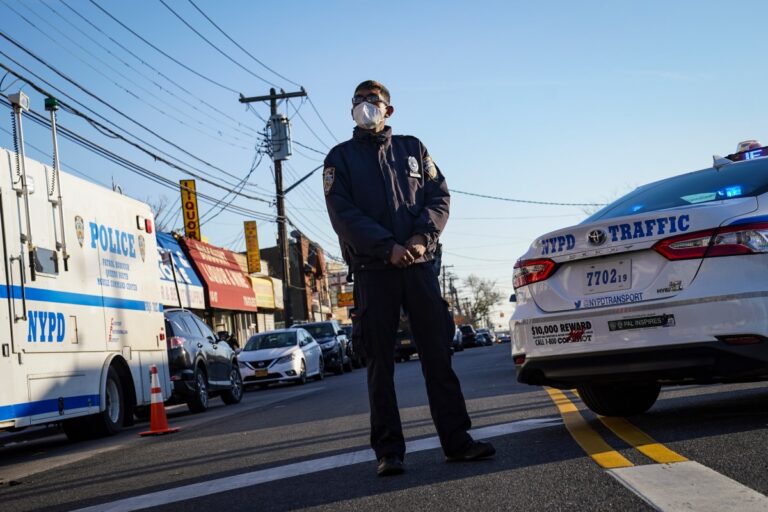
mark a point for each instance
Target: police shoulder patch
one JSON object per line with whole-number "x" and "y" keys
{"x": 329, "y": 175}
{"x": 430, "y": 167}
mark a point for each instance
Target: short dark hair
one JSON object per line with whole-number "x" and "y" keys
{"x": 373, "y": 84}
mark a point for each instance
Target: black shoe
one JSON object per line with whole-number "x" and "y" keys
{"x": 390, "y": 465}
{"x": 474, "y": 450}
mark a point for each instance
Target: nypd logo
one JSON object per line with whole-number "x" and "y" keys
{"x": 620, "y": 233}
{"x": 46, "y": 326}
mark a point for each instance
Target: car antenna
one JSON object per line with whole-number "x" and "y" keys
{"x": 719, "y": 161}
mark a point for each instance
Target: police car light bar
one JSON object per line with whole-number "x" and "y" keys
{"x": 749, "y": 154}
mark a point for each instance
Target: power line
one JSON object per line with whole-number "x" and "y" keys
{"x": 126, "y": 78}
{"x": 73, "y": 110}
{"x": 526, "y": 201}
{"x": 311, "y": 104}
{"x": 154, "y": 69}
{"x": 128, "y": 164}
{"x": 96, "y": 123}
{"x": 241, "y": 48}
{"x": 190, "y": 27}
{"x": 144, "y": 76}
{"x": 206, "y": 78}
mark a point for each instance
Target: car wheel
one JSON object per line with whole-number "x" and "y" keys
{"x": 321, "y": 370}
{"x": 348, "y": 365}
{"x": 620, "y": 399}
{"x": 340, "y": 368}
{"x": 235, "y": 393}
{"x": 302, "y": 378}
{"x": 198, "y": 402}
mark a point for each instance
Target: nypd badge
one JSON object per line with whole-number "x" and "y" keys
{"x": 329, "y": 174}
{"x": 79, "y": 229}
{"x": 142, "y": 247}
{"x": 430, "y": 167}
{"x": 413, "y": 166}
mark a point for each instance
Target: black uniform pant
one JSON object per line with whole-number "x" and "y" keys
{"x": 379, "y": 295}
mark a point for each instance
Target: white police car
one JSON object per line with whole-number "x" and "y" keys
{"x": 666, "y": 285}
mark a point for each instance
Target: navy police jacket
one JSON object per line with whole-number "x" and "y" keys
{"x": 381, "y": 189}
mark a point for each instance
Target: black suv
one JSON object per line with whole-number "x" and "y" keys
{"x": 333, "y": 340}
{"x": 201, "y": 365}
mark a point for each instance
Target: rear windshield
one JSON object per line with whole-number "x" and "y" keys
{"x": 320, "y": 330}
{"x": 731, "y": 181}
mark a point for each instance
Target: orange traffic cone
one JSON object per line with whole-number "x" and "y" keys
{"x": 158, "y": 422}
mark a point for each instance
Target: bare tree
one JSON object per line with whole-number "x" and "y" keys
{"x": 161, "y": 208}
{"x": 484, "y": 296}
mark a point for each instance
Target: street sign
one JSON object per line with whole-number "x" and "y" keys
{"x": 252, "y": 246}
{"x": 345, "y": 299}
{"x": 189, "y": 209}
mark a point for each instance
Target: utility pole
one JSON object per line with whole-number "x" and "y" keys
{"x": 442, "y": 271}
{"x": 279, "y": 125}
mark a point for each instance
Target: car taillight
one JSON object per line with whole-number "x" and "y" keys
{"x": 727, "y": 241}
{"x": 176, "y": 341}
{"x": 532, "y": 271}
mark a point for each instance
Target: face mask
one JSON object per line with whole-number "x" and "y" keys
{"x": 367, "y": 115}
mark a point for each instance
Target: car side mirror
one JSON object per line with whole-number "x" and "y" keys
{"x": 237, "y": 352}
{"x": 513, "y": 298}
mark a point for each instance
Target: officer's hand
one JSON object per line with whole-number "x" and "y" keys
{"x": 400, "y": 257}
{"x": 417, "y": 246}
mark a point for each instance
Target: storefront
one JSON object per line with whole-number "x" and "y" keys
{"x": 179, "y": 284}
{"x": 264, "y": 289}
{"x": 229, "y": 295}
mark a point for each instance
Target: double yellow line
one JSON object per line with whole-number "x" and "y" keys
{"x": 596, "y": 447}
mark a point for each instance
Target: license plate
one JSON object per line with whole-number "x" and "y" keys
{"x": 262, "y": 373}
{"x": 405, "y": 342}
{"x": 608, "y": 277}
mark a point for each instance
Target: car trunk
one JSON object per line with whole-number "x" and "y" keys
{"x": 613, "y": 261}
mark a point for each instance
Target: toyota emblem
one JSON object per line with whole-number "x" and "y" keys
{"x": 597, "y": 237}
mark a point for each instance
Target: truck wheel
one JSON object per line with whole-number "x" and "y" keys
{"x": 105, "y": 423}
{"x": 620, "y": 399}
{"x": 198, "y": 402}
{"x": 235, "y": 393}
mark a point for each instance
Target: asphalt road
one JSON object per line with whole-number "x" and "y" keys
{"x": 306, "y": 448}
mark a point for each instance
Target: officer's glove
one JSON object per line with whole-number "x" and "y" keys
{"x": 400, "y": 256}
{"x": 417, "y": 246}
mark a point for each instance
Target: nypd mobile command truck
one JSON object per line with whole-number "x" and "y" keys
{"x": 80, "y": 315}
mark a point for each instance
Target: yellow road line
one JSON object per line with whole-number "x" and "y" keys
{"x": 586, "y": 437}
{"x": 644, "y": 443}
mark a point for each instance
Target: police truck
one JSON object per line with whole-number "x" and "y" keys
{"x": 80, "y": 316}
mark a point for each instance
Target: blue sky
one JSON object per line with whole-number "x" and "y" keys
{"x": 552, "y": 101}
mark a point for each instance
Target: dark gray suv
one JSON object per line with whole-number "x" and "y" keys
{"x": 201, "y": 365}
{"x": 333, "y": 340}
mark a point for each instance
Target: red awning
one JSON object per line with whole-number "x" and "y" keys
{"x": 226, "y": 286}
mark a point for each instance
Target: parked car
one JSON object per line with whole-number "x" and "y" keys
{"x": 483, "y": 339}
{"x": 504, "y": 337}
{"x": 358, "y": 361}
{"x": 468, "y": 336}
{"x": 456, "y": 342}
{"x": 285, "y": 355}
{"x": 491, "y": 335}
{"x": 333, "y": 340}
{"x": 663, "y": 286}
{"x": 201, "y": 366}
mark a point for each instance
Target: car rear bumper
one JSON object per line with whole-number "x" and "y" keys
{"x": 696, "y": 363}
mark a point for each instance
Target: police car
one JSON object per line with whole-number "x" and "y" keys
{"x": 666, "y": 285}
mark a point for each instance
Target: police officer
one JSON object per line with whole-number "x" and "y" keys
{"x": 388, "y": 202}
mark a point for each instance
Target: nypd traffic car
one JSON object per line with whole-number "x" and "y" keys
{"x": 666, "y": 285}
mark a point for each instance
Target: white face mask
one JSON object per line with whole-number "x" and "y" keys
{"x": 367, "y": 115}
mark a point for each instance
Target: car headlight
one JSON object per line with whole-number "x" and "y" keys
{"x": 286, "y": 359}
